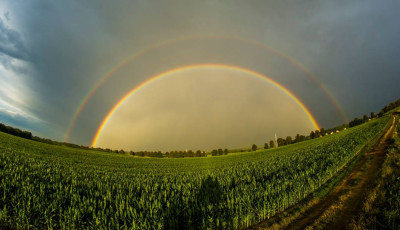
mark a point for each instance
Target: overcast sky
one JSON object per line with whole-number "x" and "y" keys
{"x": 52, "y": 53}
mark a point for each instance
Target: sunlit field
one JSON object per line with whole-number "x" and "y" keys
{"x": 48, "y": 186}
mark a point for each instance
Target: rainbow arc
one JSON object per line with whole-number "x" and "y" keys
{"x": 200, "y": 66}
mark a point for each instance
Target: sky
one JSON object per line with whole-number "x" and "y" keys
{"x": 195, "y": 105}
{"x": 53, "y": 53}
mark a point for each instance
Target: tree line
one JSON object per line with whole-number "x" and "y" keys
{"x": 15, "y": 131}
{"x": 215, "y": 152}
{"x": 171, "y": 154}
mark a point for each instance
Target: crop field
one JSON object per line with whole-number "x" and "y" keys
{"x": 46, "y": 186}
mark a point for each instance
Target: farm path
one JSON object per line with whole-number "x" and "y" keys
{"x": 343, "y": 202}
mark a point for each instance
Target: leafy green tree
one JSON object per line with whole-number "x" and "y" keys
{"x": 17, "y": 132}
{"x": 176, "y": 154}
{"x": 198, "y": 153}
{"x": 254, "y": 147}
{"x": 297, "y": 138}
{"x": 271, "y": 144}
{"x": 323, "y": 132}
{"x": 281, "y": 141}
{"x": 220, "y": 152}
{"x": 214, "y": 152}
{"x": 288, "y": 140}
{"x": 226, "y": 151}
{"x": 312, "y": 135}
{"x": 266, "y": 146}
{"x": 355, "y": 122}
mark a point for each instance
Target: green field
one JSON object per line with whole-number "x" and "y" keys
{"x": 47, "y": 186}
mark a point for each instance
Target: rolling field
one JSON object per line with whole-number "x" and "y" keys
{"x": 47, "y": 186}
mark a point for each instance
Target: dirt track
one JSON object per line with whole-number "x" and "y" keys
{"x": 342, "y": 204}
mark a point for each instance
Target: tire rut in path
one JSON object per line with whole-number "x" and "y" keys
{"x": 353, "y": 187}
{"x": 351, "y": 190}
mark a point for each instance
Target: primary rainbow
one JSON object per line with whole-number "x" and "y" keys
{"x": 200, "y": 66}
{"x": 290, "y": 59}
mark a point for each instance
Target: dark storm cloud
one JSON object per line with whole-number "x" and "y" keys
{"x": 355, "y": 47}
{"x": 11, "y": 43}
{"x": 352, "y": 46}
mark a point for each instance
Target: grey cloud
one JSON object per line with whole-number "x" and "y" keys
{"x": 352, "y": 46}
{"x": 11, "y": 42}
{"x": 7, "y": 15}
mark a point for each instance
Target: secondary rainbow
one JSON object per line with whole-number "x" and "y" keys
{"x": 199, "y": 66}
{"x": 147, "y": 50}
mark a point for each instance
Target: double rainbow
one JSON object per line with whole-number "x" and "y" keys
{"x": 147, "y": 50}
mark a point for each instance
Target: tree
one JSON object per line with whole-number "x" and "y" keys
{"x": 355, "y": 122}
{"x": 365, "y": 118}
{"x": 288, "y": 140}
{"x": 19, "y": 133}
{"x": 220, "y": 152}
{"x": 176, "y": 154}
{"x": 317, "y": 133}
{"x": 373, "y": 115}
{"x": 226, "y": 151}
{"x": 312, "y": 135}
{"x": 190, "y": 153}
{"x": 214, "y": 152}
{"x": 254, "y": 147}
{"x": 271, "y": 144}
{"x": 297, "y": 138}
{"x": 323, "y": 132}
{"x": 198, "y": 153}
{"x": 266, "y": 146}
{"x": 281, "y": 142}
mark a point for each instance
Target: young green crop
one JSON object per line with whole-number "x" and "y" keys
{"x": 46, "y": 186}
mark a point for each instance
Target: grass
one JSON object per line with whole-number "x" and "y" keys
{"x": 47, "y": 186}
{"x": 381, "y": 209}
